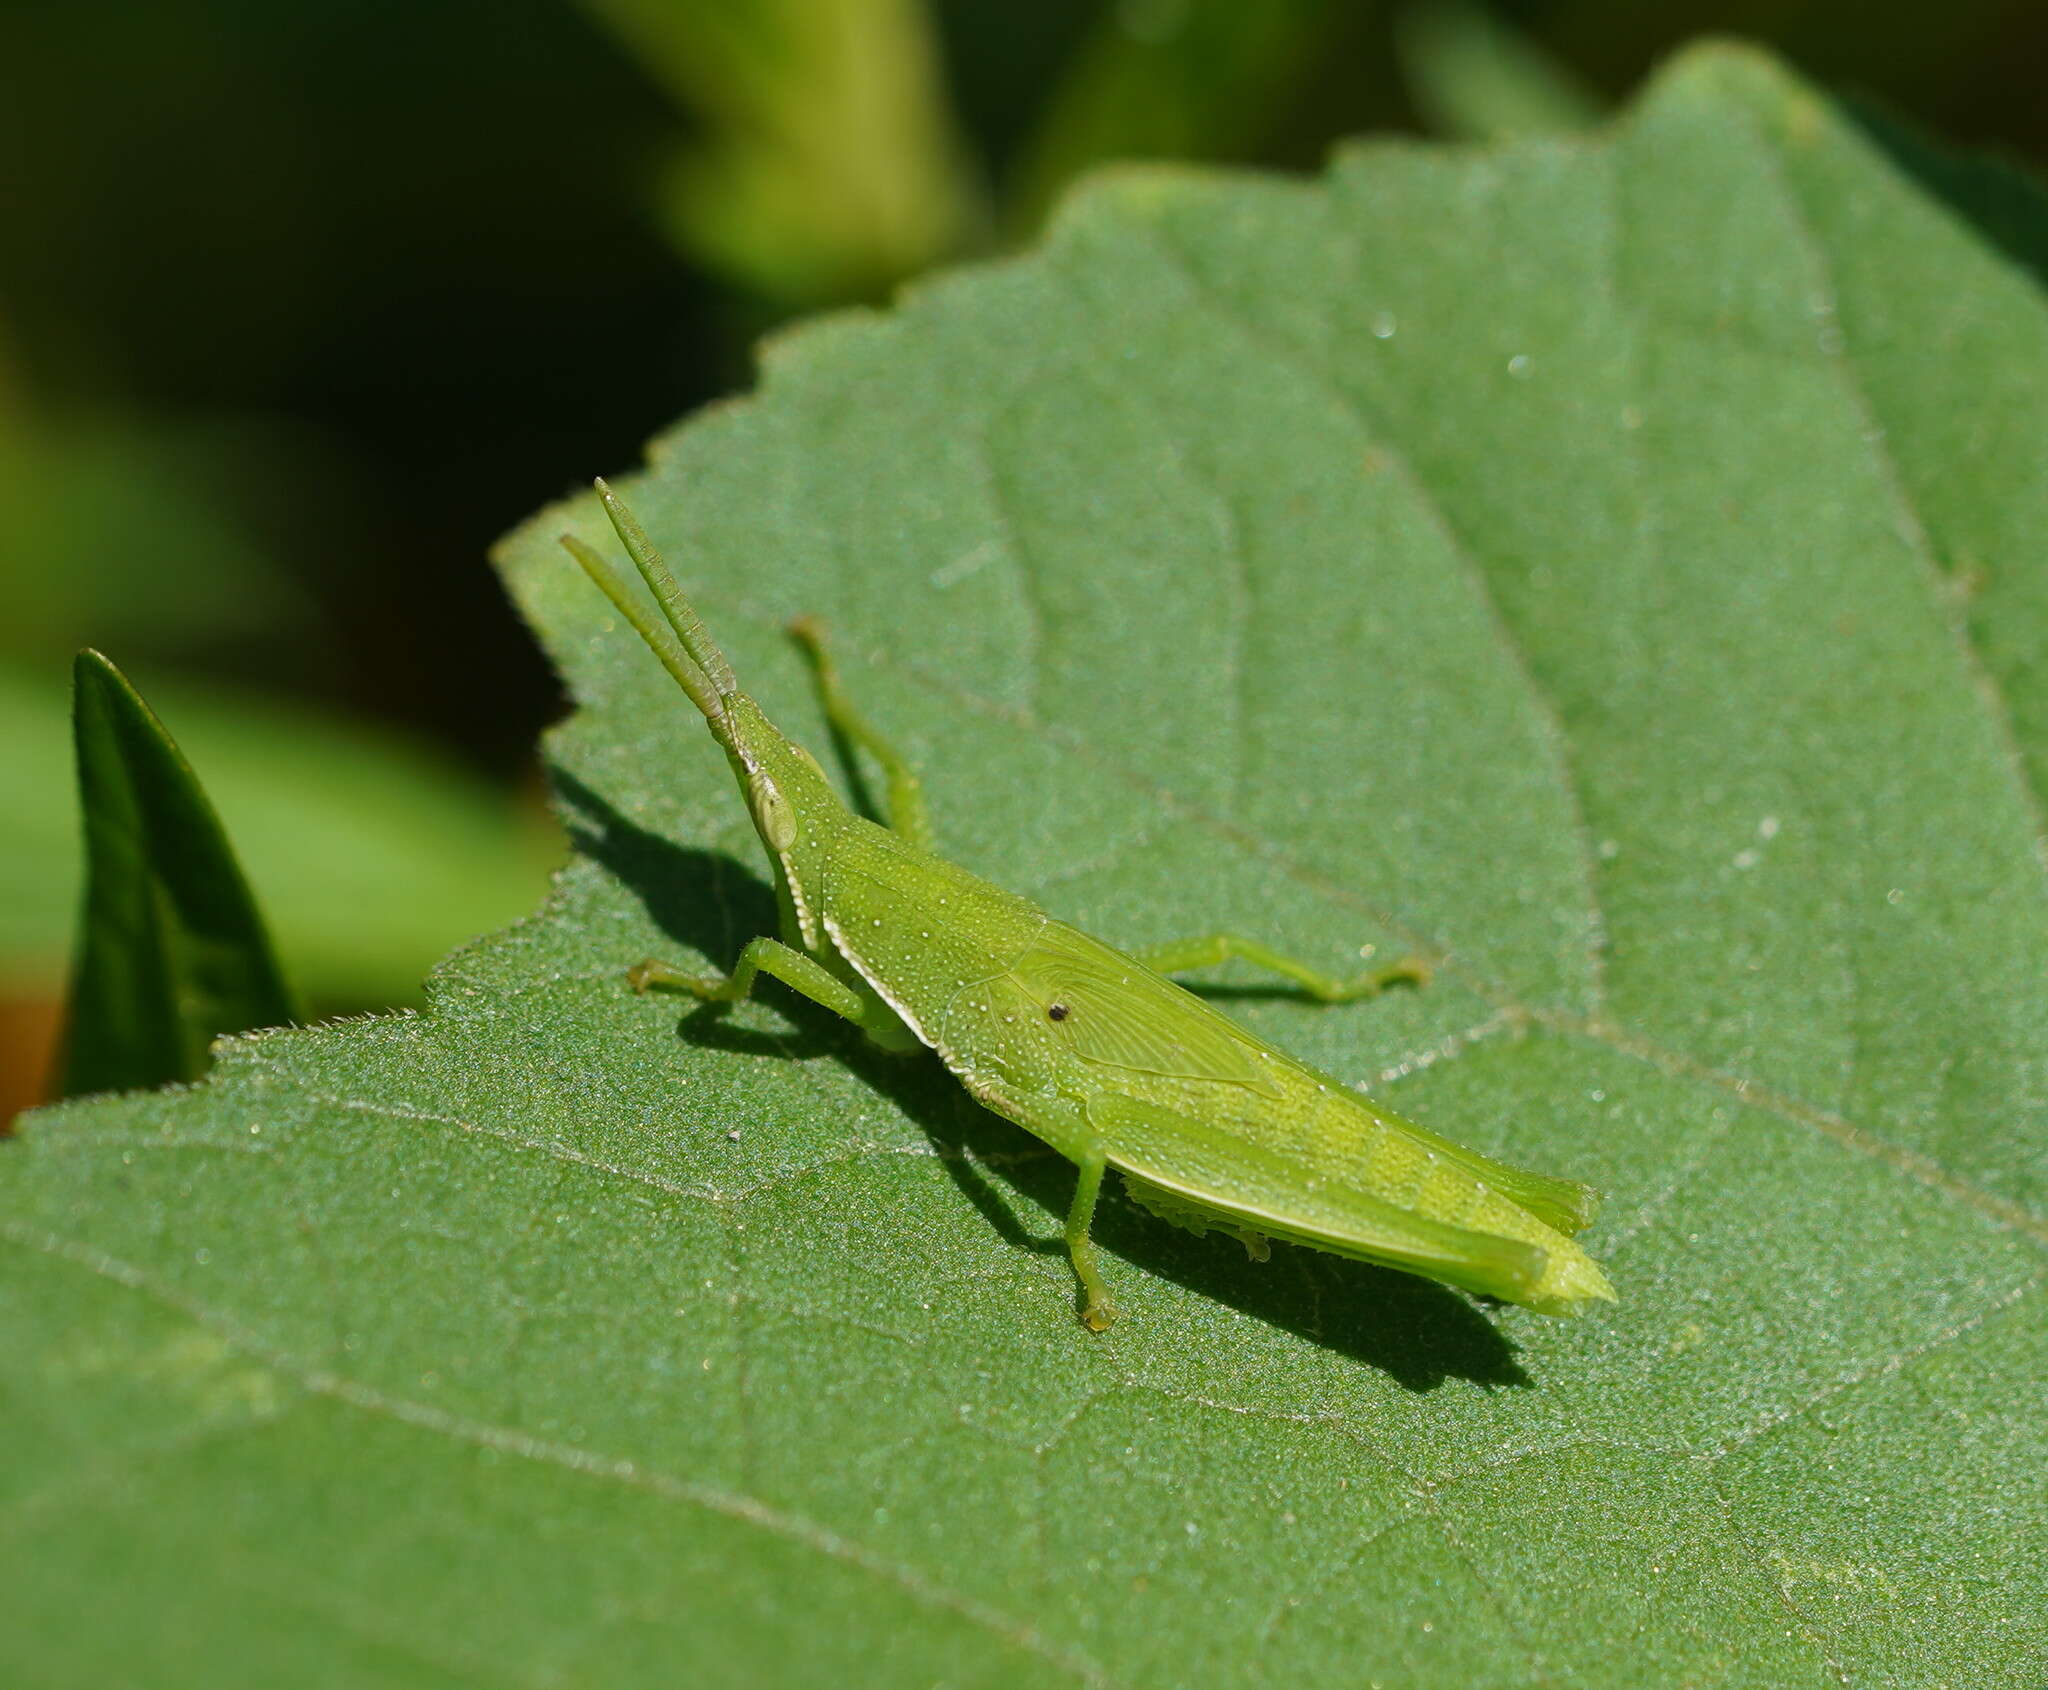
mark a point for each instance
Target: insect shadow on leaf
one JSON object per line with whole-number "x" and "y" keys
{"x": 1417, "y": 1333}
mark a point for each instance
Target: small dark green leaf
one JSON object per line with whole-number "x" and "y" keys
{"x": 1169, "y": 79}
{"x": 823, "y": 163}
{"x": 171, "y": 950}
{"x": 1473, "y": 76}
{"x": 370, "y": 854}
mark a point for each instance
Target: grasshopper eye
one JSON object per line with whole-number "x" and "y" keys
{"x": 771, "y": 811}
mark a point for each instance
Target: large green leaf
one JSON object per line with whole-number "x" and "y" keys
{"x": 1613, "y": 568}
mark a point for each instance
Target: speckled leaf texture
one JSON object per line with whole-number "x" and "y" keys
{"x": 1614, "y": 569}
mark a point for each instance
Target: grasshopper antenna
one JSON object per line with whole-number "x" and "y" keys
{"x": 659, "y": 640}
{"x": 696, "y": 639}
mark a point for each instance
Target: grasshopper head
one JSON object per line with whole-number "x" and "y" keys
{"x": 793, "y": 806}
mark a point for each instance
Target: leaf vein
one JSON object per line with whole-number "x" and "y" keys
{"x": 1911, "y": 521}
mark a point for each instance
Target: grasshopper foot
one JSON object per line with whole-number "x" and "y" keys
{"x": 1410, "y": 970}
{"x": 652, "y": 975}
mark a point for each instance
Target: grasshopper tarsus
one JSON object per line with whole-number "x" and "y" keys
{"x": 651, "y": 974}
{"x": 1412, "y": 971}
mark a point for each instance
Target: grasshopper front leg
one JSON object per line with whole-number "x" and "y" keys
{"x": 1213, "y": 948}
{"x": 907, "y": 813}
{"x": 801, "y": 973}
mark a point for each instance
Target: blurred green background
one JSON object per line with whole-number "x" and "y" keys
{"x": 302, "y": 305}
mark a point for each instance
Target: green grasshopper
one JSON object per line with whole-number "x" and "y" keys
{"x": 1088, "y": 1047}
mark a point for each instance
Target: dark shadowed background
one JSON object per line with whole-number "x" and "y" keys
{"x": 302, "y": 306}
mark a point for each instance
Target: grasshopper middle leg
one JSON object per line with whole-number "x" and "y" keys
{"x": 1097, "y": 1311}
